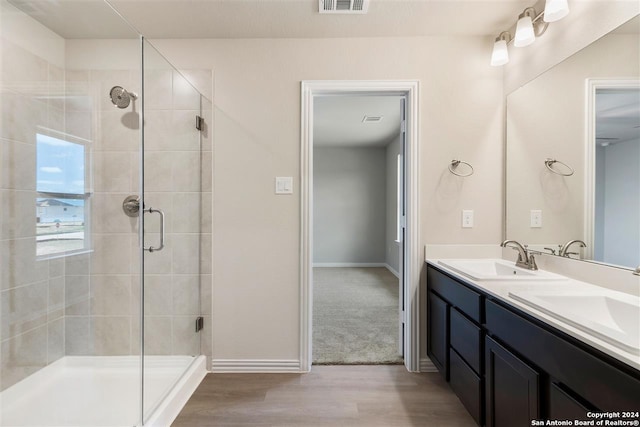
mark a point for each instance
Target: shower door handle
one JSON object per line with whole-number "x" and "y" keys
{"x": 159, "y": 248}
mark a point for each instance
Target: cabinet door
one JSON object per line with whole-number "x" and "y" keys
{"x": 512, "y": 388}
{"x": 438, "y": 333}
{"x": 564, "y": 406}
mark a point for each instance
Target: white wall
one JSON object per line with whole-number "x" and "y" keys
{"x": 256, "y": 289}
{"x": 392, "y": 253}
{"x": 349, "y": 205}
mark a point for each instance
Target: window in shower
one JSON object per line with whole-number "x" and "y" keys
{"x": 63, "y": 199}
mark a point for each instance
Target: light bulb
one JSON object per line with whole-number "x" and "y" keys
{"x": 500, "y": 54}
{"x": 555, "y": 10}
{"x": 524, "y": 31}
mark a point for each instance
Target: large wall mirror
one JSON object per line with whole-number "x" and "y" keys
{"x": 573, "y": 154}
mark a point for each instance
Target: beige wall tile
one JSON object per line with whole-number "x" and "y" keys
{"x": 20, "y": 266}
{"x": 76, "y": 295}
{"x": 185, "y": 96}
{"x": 158, "y": 89}
{"x": 184, "y": 135}
{"x": 113, "y": 171}
{"x": 206, "y": 171}
{"x": 158, "y": 171}
{"x": 110, "y": 295}
{"x": 186, "y": 294}
{"x": 158, "y": 132}
{"x": 77, "y": 336}
{"x": 112, "y": 253}
{"x": 186, "y": 341}
{"x": 186, "y": 171}
{"x": 77, "y": 265}
{"x": 157, "y": 338}
{"x": 111, "y": 335}
{"x": 107, "y": 215}
{"x": 206, "y": 216}
{"x": 22, "y": 356}
{"x": 119, "y": 130}
{"x": 18, "y": 165}
{"x": 205, "y": 254}
{"x": 158, "y": 295}
{"x": 55, "y": 340}
{"x": 55, "y": 305}
{"x": 186, "y": 250}
{"x": 22, "y": 309}
{"x": 186, "y": 213}
{"x": 18, "y": 214}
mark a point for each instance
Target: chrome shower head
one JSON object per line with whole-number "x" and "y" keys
{"x": 120, "y": 97}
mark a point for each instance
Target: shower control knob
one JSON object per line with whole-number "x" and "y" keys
{"x": 131, "y": 206}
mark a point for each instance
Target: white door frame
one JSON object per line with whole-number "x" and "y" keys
{"x": 592, "y": 85}
{"x": 408, "y": 89}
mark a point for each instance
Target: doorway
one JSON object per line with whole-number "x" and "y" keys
{"x": 357, "y": 211}
{"x": 315, "y": 94}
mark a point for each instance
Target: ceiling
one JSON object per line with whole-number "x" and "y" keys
{"x": 338, "y": 121}
{"x": 74, "y": 19}
{"x": 617, "y": 115}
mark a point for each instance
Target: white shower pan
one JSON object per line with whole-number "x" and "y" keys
{"x": 102, "y": 391}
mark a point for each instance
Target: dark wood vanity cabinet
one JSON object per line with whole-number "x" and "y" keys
{"x": 512, "y": 388}
{"x": 509, "y": 368}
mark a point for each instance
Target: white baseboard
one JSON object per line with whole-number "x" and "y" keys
{"x": 426, "y": 365}
{"x": 255, "y": 365}
{"x": 392, "y": 270}
{"x": 349, "y": 264}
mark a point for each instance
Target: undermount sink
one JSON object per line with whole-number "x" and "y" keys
{"x": 496, "y": 269}
{"x": 613, "y": 317}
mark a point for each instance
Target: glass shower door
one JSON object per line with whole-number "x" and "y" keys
{"x": 171, "y": 200}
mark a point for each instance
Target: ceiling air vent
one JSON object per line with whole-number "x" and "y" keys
{"x": 371, "y": 119}
{"x": 344, "y": 6}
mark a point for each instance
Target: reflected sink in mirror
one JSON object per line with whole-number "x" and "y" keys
{"x": 496, "y": 269}
{"x": 613, "y": 317}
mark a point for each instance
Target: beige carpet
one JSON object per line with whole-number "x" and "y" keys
{"x": 355, "y": 316}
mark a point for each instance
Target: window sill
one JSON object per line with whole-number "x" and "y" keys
{"x": 63, "y": 255}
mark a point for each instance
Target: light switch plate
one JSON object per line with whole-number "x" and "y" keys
{"x": 536, "y": 218}
{"x": 467, "y": 218}
{"x": 284, "y": 185}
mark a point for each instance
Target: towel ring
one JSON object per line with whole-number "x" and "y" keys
{"x": 455, "y": 163}
{"x": 550, "y": 162}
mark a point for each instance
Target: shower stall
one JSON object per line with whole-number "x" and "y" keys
{"x": 105, "y": 217}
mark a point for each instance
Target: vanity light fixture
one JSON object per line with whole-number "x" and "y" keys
{"x": 530, "y": 25}
{"x": 524, "y": 28}
{"x": 555, "y": 10}
{"x": 500, "y": 54}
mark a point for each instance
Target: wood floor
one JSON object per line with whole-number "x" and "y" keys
{"x": 384, "y": 396}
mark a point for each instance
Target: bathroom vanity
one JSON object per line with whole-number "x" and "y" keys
{"x": 510, "y": 364}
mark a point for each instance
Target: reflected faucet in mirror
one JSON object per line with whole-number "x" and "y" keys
{"x": 564, "y": 250}
{"x": 525, "y": 259}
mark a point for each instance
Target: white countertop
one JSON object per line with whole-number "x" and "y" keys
{"x": 500, "y": 290}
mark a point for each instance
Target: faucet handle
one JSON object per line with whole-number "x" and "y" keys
{"x": 553, "y": 251}
{"x": 532, "y": 262}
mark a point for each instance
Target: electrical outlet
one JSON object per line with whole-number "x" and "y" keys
{"x": 467, "y": 219}
{"x": 536, "y": 218}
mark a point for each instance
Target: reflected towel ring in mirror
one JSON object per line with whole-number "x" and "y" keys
{"x": 550, "y": 162}
{"x": 454, "y": 165}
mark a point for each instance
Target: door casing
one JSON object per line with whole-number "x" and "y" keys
{"x": 408, "y": 89}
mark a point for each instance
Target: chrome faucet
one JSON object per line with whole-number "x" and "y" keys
{"x": 525, "y": 259}
{"x": 564, "y": 250}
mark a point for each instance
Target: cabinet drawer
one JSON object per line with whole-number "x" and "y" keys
{"x": 466, "y": 338}
{"x": 467, "y": 385}
{"x": 563, "y": 406}
{"x": 455, "y": 293}
{"x": 606, "y": 386}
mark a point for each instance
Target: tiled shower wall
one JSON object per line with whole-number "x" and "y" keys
{"x": 102, "y": 288}
{"x": 31, "y": 291}
{"x": 88, "y": 304}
